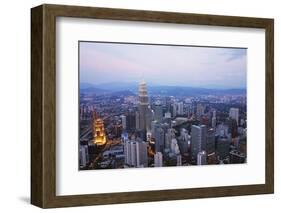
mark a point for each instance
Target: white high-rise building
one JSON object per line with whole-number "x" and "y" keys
{"x": 198, "y": 139}
{"x": 129, "y": 152}
{"x": 234, "y": 114}
{"x": 170, "y": 134}
{"x": 179, "y": 161}
{"x": 167, "y": 115}
{"x": 123, "y": 120}
{"x": 158, "y": 159}
{"x": 158, "y": 111}
{"x": 183, "y": 141}
{"x": 214, "y": 113}
{"x": 180, "y": 108}
{"x": 153, "y": 128}
{"x": 148, "y": 136}
{"x": 214, "y": 122}
{"x": 135, "y": 152}
{"x": 141, "y": 154}
{"x": 174, "y": 110}
{"x": 175, "y": 147}
{"x": 202, "y": 158}
{"x": 184, "y": 134}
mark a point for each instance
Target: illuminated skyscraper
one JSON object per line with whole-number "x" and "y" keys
{"x": 144, "y": 114}
{"x": 99, "y": 135}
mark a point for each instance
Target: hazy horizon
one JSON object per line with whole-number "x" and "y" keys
{"x": 149, "y": 84}
{"x": 163, "y": 65}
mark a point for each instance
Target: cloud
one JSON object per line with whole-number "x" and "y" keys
{"x": 170, "y": 65}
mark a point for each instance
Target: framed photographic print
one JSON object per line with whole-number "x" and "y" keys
{"x": 138, "y": 106}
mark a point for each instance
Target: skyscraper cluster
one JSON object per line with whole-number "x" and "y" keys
{"x": 159, "y": 131}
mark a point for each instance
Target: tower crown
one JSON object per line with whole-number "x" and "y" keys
{"x": 142, "y": 89}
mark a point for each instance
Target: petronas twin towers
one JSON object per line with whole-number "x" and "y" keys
{"x": 144, "y": 112}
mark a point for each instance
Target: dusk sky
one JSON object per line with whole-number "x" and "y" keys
{"x": 163, "y": 65}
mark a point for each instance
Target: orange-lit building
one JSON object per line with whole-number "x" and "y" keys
{"x": 99, "y": 135}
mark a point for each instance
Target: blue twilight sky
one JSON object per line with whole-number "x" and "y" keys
{"x": 207, "y": 67}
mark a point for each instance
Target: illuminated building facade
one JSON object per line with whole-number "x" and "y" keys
{"x": 98, "y": 131}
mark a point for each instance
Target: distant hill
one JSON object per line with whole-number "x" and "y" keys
{"x": 124, "y": 93}
{"x": 179, "y": 90}
{"x": 98, "y": 90}
{"x": 117, "y": 88}
{"x": 94, "y": 90}
{"x": 85, "y": 85}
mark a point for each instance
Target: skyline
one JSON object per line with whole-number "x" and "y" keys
{"x": 187, "y": 66}
{"x": 118, "y": 130}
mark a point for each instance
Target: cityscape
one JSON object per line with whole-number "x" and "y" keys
{"x": 139, "y": 122}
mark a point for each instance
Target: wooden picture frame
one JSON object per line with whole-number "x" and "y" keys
{"x": 43, "y": 105}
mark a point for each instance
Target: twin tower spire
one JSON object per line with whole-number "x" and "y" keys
{"x": 144, "y": 115}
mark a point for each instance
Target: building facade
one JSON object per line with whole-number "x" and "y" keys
{"x": 158, "y": 159}
{"x": 198, "y": 140}
{"x": 135, "y": 152}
